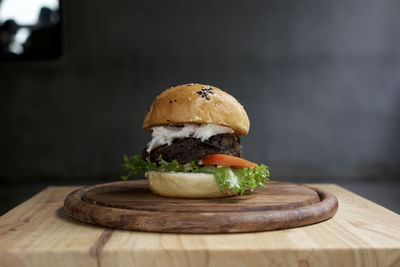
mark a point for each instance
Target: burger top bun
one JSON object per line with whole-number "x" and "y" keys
{"x": 197, "y": 103}
{"x": 185, "y": 185}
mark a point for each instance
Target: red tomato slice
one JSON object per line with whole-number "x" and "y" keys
{"x": 227, "y": 160}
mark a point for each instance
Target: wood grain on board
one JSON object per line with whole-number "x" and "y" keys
{"x": 39, "y": 233}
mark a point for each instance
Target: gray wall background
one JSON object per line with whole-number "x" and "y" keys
{"x": 320, "y": 81}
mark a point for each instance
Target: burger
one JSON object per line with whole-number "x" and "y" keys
{"x": 195, "y": 150}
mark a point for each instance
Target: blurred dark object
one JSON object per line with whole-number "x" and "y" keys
{"x": 45, "y": 39}
{"x": 8, "y": 30}
{"x": 39, "y": 41}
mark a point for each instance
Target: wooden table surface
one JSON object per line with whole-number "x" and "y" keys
{"x": 38, "y": 233}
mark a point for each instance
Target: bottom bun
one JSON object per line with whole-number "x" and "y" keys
{"x": 185, "y": 185}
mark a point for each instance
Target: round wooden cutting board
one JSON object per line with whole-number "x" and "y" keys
{"x": 131, "y": 205}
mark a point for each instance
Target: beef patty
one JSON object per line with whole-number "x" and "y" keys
{"x": 190, "y": 148}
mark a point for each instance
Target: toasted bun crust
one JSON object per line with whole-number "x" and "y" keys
{"x": 184, "y": 185}
{"x": 197, "y": 103}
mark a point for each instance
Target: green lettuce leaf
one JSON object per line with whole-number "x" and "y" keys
{"x": 227, "y": 178}
{"x": 241, "y": 179}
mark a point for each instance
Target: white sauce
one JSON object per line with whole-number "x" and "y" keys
{"x": 166, "y": 134}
